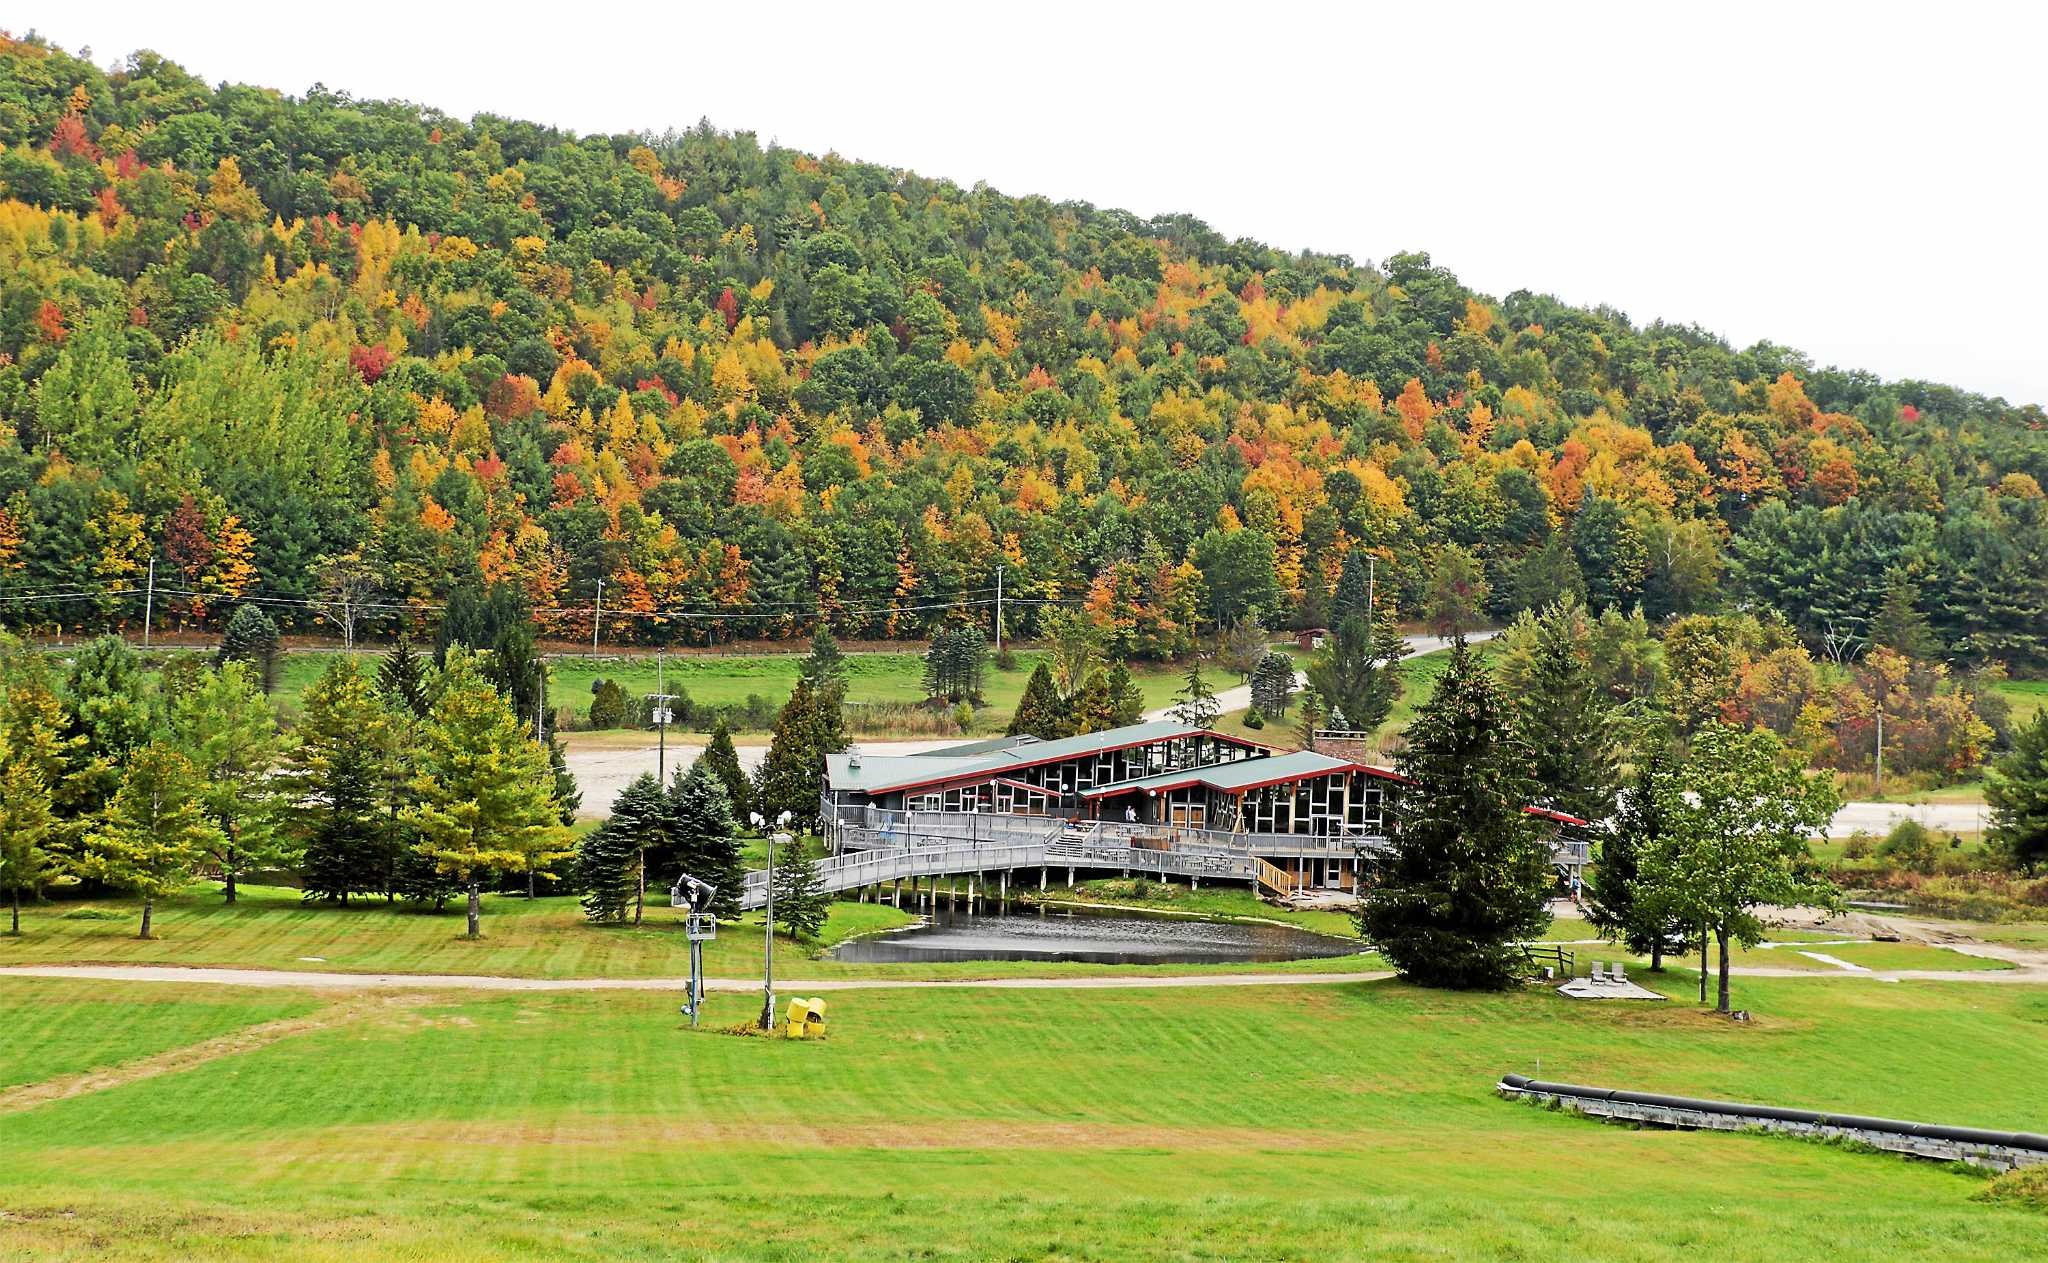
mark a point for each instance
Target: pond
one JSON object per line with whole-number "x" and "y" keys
{"x": 1091, "y": 936}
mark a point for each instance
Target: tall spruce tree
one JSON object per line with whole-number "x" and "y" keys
{"x": 724, "y": 760}
{"x": 252, "y": 637}
{"x": 402, "y": 678}
{"x": 340, "y": 769}
{"x": 1040, "y": 713}
{"x": 1469, "y": 872}
{"x": 1563, "y": 711}
{"x": 2016, "y": 788}
{"x": 155, "y": 832}
{"x": 706, "y": 836}
{"x": 793, "y": 774}
{"x": 1619, "y": 903}
{"x": 226, "y": 727}
{"x": 825, "y": 665}
{"x": 1126, "y": 699}
{"x": 1273, "y": 685}
{"x": 612, "y": 865}
{"x": 801, "y": 904}
{"x": 484, "y": 795}
{"x": 1196, "y": 704}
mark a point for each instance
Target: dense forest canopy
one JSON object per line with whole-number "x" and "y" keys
{"x": 321, "y": 351}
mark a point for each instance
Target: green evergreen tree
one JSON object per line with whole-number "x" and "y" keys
{"x": 226, "y": 727}
{"x": 1039, "y": 713}
{"x": 1126, "y": 699}
{"x": 1273, "y": 685}
{"x": 1900, "y": 625}
{"x": 155, "y": 831}
{"x": 2016, "y": 789}
{"x": 706, "y": 836}
{"x": 613, "y": 863}
{"x": 801, "y": 904}
{"x": 1618, "y": 902}
{"x": 485, "y": 800}
{"x": 252, "y": 637}
{"x": 1469, "y": 871}
{"x": 1348, "y": 675}
{"x": 1311, "y": 718}
{"x": 1196, "y": 704}
{"x": 826, "y": 664}
{"x": 1092, "y": 710}
{"x": 1353, "y": 585}
{"x": 402, "y": 678}
{"x": 340, "y": 768}
{"x": 724, "y": 760}
{"x": 1566, "y": 719}
{"x": 793, "y": 774}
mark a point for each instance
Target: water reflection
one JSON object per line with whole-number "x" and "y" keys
{"x": 1103, "y": 938}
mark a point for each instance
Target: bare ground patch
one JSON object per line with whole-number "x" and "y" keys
{"x": 28, "y": 1096}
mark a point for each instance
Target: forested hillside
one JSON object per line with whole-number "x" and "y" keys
{"x": 303, "y": 348}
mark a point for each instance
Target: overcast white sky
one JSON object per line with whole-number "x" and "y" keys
{"x": 1863, "y": 182}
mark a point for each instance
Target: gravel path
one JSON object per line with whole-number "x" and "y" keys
{"x": 488, "y": 982}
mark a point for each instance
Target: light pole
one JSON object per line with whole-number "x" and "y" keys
{"x": 768, "y": 925}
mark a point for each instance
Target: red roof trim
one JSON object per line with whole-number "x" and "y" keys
{"x": 1559, "y": 816}
{"x": 1027, "y": 786}
{"x": 990, "y": 773}
{"x": 1195, "y": 778}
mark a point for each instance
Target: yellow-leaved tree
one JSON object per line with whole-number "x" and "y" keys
{"x": 485, "y": 790}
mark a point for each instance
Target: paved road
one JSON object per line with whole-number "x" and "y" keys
{"x": 1878, "y": 818}
{"x": 491, "y": 982}
{"x": 1240, "y": 697}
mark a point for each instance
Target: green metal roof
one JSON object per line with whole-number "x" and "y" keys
{"x": 875, "y": 774}
{"x": 1232, "y": 777}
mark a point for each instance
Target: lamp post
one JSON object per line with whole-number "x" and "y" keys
{"x": 768, "y": 922}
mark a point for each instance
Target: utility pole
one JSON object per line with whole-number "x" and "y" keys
{"x": 149, "y": 602}
{"x": 661, "y": 713}
{"x": 597, "y": 616}
{"x": 1880, "y": 742}
{"x": 999, "y": 610}
{"x": 540, "y": 707}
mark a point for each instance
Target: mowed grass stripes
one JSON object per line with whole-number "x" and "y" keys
{"x": 1347, "y": 1122}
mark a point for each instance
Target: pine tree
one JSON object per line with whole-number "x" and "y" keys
{"x": 1126, "y": 699}
{"x": 1092, "y": 711}
{"x": 724, "y": 760}
{"x": 342, "y": 769}
{"x": 706, "y": 836}
{"x": 1564, "y": 715}
{"x": 1469, "y": 871}
{"x": 612, "y": 865}
{"x": 1619, "y": 903}
{"x": 33, "y": 757}
{"x": 1196, "y": 704}
{"x": 155, "y": 832}
{"x": 1273, "y": 684}
{"x": 1901, "y": 626}
{"x": 801, "y": 905}
{"x": 252, "y": 637}
{"x": 485, "y": 795}
{"x": 2016, "y": 788}
{"x": 793, "y": 774}
{"x": 1311, "y": 717}
{"x": 826, "y": 663}
{"x": 402, "y": 678}
{"x": 1351, "y": 598}
{"x": 228, "y": 730}
{"x": 1242, "y": 647}
{"x": 1039, "y": 713}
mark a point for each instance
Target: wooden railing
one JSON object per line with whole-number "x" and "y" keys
{"x": 1274, "y": 878}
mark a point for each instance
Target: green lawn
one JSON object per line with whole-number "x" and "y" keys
{"x": 720, "y": 680}
{"x": 1216, "y": 902}
{"x": 545, "y": 938}
{"x": 1347, "y": 1122}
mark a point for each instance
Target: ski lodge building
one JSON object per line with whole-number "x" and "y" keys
{"x": 1153, "y": 797}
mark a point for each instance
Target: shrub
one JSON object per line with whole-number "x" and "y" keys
{"x": 1857, "y": 847}
{"x": 1253, "y": 720}
{"x": 607, "y": 704}
{"x": 1911, "y": 846}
